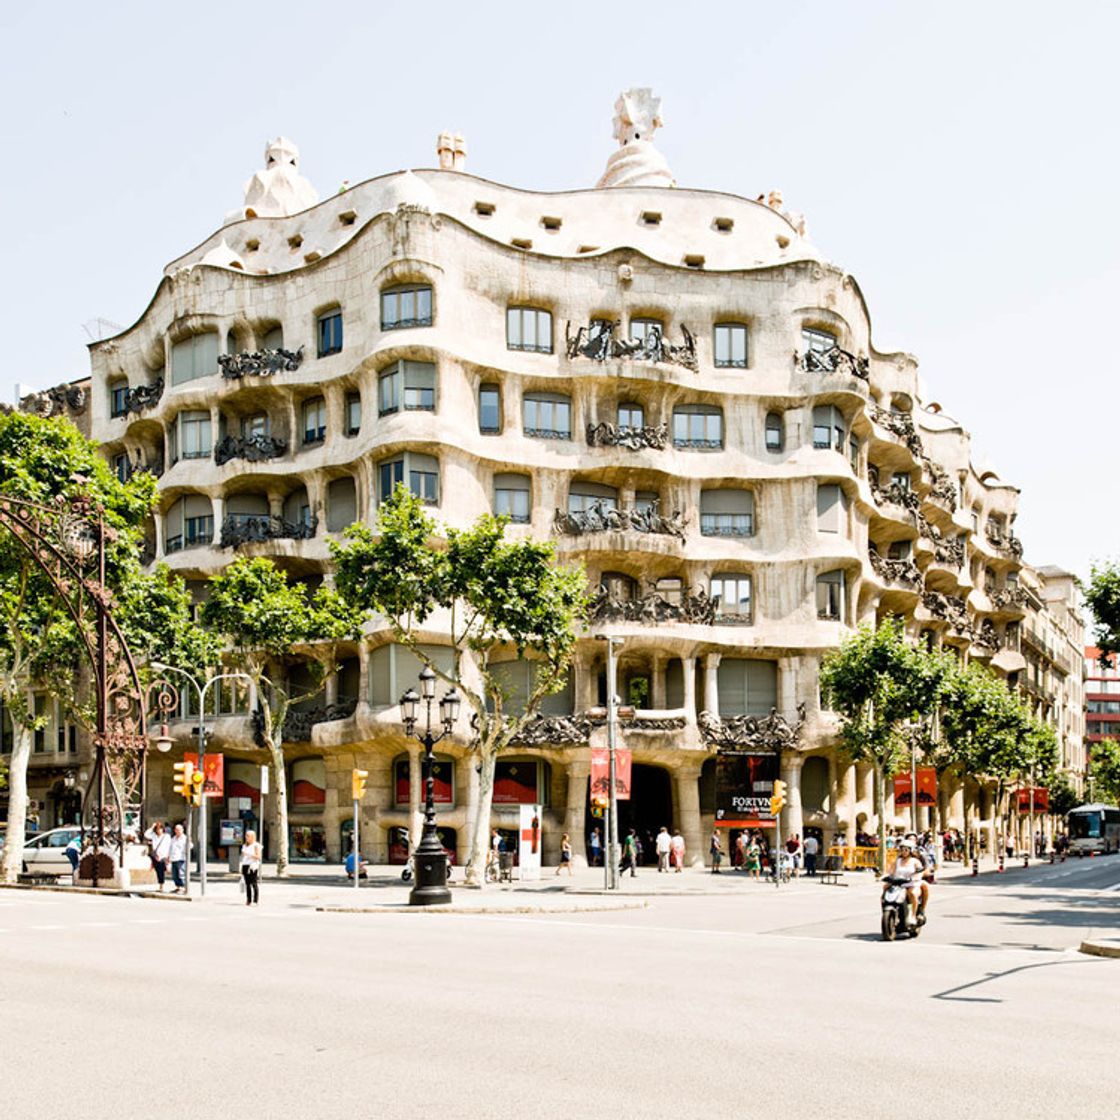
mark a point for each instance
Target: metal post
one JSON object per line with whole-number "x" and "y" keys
{"x": 357, "y": 847}
{"x": 913, "y": 788}
{"x": 202, "y": 789}
{"x": 1030, "y": 816}
{"x": 612, "y": 714}
{"x": 187, "y": 862}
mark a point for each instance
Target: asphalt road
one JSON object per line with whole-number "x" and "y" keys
{"x": 748, "y": 1001}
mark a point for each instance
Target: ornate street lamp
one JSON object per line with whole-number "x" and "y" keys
{"x": 429, "y": 858}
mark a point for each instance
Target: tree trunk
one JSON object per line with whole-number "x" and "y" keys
{"x": 23, "y": 738}
{"x": 279, "y": 807}
{"x": 880, "y": 778}
{"x": 480, "y": 841}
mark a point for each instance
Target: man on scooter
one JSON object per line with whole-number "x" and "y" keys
{"x": 924, "y": 850}
{"x": 909, "y": 866}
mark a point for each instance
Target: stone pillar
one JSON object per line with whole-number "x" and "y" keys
{"x": 787, "y": 686}
{"x": 657, "y": 680}
{"x": 792, "y": 820}
{"x": 688, "y": 670}
{"x": 330, "y": 689}
{"x": 955, "y": 811}
{"x": 711, "y": 683}
{"x": 583, "y": 682}
{"x": 846, "y": 800}
{"x": 686, "y": 781}
{"x": 217, "y": 510}
{"x": 575, "y": 811}
{"x": 415, "y": 794}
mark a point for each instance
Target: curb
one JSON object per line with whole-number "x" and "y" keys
{"x": 105, "y": 892}
{"x": 1101, "y": 948}
{"x": 404, "y": 908}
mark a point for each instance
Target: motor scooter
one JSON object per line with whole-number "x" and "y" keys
{"x": 409, "y": 868}
{"x": 898, "y": 916}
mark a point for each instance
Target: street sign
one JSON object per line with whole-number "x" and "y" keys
{"x": 600, "y": 775}
{"x": 215, "y": 773}
{"x": 927, "y": 786}
{"x": 264, "y": 781}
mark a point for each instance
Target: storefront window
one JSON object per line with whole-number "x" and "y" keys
{"x": 521, "y": 782}
{"x": 309, "y": 843}
{"x": 443, "y": 773}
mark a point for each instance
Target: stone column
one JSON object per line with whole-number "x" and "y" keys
{"x": 217, "y": 510}
{"x": 575, "y": 811}
{"x": 657, "y": 680}
{"x": 792, "y": 820}
{"x": 415, "y": 793}
{"x": 688, "y": 669}
{"x": 330, "y": 689}
{"x": 787, "y": 686}
{"x": 954, "y": 816}
{"x": 846, "y": 800}
{"x": 711, "y": 683}
{"x": 687, "y": 798}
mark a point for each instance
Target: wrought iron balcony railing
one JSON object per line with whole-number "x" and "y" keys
{"x": 259, "y": 363}
{"x": 601, "y": 517}
{"x": 606, "y": 434}
{"x": 255, "y": 448}
{"x": 239, "y": 529}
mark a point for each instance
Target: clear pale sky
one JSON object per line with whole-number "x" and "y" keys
{"x": 959, "y": 159}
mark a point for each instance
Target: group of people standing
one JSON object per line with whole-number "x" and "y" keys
{"x": 168, "y": 849}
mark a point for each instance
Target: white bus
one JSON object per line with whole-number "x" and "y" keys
{"x": 1093, "y": 828}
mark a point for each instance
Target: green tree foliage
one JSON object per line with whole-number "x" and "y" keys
{"x": 40, "y": 646}
{"x": 500, "y": 596}
{"x": 1102, "y": 594}
{"x": 1063, "y": 797}
{"x": 265, "y": 619}
{"x": 1104, "y": 770}
{"x": 880, "y": 684}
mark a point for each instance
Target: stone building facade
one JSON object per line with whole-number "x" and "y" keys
{"x": 675, "y": 385}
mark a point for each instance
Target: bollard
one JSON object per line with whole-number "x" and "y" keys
{"x": 1026, "y": 861}
{"x": 1051, "y": 858}
{"x": 975, "y": 866}
{"x": 1001, "y": 863}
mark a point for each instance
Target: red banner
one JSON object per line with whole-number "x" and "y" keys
{"x": 601, "y": 775}
{"x": 214, "y": 784}
{"x": 1041, "y": 799}
{"x": 927, "y": 787}
{"x": 515, "y": 783}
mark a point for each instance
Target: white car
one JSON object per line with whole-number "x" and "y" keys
{"x": 45, "y": 854}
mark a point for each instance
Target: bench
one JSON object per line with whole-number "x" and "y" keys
{"x": 833, "y": 872}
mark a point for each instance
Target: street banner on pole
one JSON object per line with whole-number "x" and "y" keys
{"x": 927, "y": 787}
{"x": 1041, "y": 799}
{"x": 601, "y": 775}
{"x": 529, "y": 842}
{"x": 214, "y": 776}
{"x": 744, "y": 785}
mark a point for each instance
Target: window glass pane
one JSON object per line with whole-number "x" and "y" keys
{"x": 390, "y": 390}
{"x": 489, "y": 409}
{"x": 513, "y": 328}
{"x": 424, "y": 305}
{"x": 528, "y": 330}
{"x": 631, "y": 416}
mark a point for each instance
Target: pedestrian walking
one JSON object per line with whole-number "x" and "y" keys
{"x": 678, "y": 851}
{"x": 595, "y": 846}
{"x": 159, "y": 848}
{"x": 793, "y": 849}
{"x": 178, "y": 858}
{"x": 753, "y": 857}
{"x": 741, "y": 851}
{"x": 811, "y": 847}
{"x": 565, "y": 854}
{"x": 251, "y": 868}
{"x": 664, "y": 847}
{"x": 630, "y": 853}
{"x": 715, "y": 849}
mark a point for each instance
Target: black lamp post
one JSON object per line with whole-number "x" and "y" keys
{"x": 429, "y": 859}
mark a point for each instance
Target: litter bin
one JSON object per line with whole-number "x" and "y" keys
{"x": 505, "y": 867}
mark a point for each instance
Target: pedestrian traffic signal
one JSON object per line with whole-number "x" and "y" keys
{"x": 197, "y": 780}
{"x": 183, "y": 773}
{"x": 358, "y": 784}
{"x": 778, "y": 799}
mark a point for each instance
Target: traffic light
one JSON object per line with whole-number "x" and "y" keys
{"x": 778, "y": 798}
{"x": 183, "y": 774}
{"x": 197, "y": 780}
{"x": 358, "y": 784}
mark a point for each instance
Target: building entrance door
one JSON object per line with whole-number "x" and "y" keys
{"x": 650, "y": 806}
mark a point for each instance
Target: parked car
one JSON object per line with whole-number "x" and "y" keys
{"x": 46, "y": 853}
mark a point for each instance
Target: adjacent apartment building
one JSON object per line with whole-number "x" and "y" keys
{"x": 675, "y": 385}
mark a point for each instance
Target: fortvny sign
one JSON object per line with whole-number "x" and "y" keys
{"x": 744, "y": 786}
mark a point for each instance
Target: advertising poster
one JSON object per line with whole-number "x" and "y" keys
{"x": 214, "y": 785}
{"x": 442, "y": 793}
{"x": 231, "y": 832}
{"x": 744, "y": 786}
{"x": 601, "y": 775}
{"x": 515, "y": 783}
{"x": 1041, "y": 799}
{"x": 529, "y": 842}
{"x": 927, "y": 787}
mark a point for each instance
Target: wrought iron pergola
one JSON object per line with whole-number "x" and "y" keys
{"x": 67, "y": 540}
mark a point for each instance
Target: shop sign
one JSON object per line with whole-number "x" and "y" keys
{"x": 601, "y": 775}
{"x": 214, "y": 773}
{"x": 927, "y": 787}
{"x": 744, "y": 786}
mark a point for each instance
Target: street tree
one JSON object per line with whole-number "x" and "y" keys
{"x": 1104, "y": 771}
{"x": 881, "y": 684}
{"x": 49, "y": 460}
{"x": 499, "y": 595}
{"x": 1102, "y": 595}
{"x": 264, "y": 619}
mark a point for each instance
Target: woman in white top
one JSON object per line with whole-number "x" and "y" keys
{"x": 159, "y": 849}
{"x": 251, "y": 868}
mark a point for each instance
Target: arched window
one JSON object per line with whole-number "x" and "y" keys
{"x": 618, "y": 585}
{"x": 408, "y": 385}
{"x": 529, "y": 328}
{"x": 329, "y": 331}
{"x": 421, "y": 472}
{"x": 189, "y": 522}
{"x": 409, "y": 305}
{"x": 395, "y": 668}
{"x": 775, "y": 431}
{"x": 118, "y": 398}
{"x": 342, "y": 504}
{"x": 829, "y": 428}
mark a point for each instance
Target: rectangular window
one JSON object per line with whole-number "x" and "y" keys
{"x": 529, "y": 328}
{"x": 631, "y": 416}
{"x": 698, "y": 427}
{"x": 389, "y": 476}
{"x": 511, "y": 497}
{"x": 546, "y": 416}
{"x": 901, "y": 479}
{"x": 122, "y": 467}
{"x": 646, "y": 331}
{"x": 421, "y": 472}
{"x": 829, "y": 429}
{"x": 198, "y": 530}
{"x": 118, "y": 399}
{"x": 582, "y": 496}
{"x": 194, "y": 357}
{"x": 408, "y": 384}
{"x": 830, "y": 596}
{"x": 406, "y": 307}
{"x": 194, "y": 434}
{"x": 817, "y": 342}
{"x": 353, "y": 413}
{"x": 733, "y": 594}
{"x": 314, "y": 420}
{"x": 731, "y": 345}
{"x": 726, "y": 513}
{"x": 255, "y": 425}
{"x": 330, "y": 333}
{"x": 853, "y": 452}
{"x": 489, "y": 409}
{"x": 747, "y": 687}
{"x": 828, "y": 508}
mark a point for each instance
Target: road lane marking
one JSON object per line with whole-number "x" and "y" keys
{"x": 46, "y": 927}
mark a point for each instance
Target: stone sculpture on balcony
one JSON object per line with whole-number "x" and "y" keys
{"x": 949, "y": 609}
{"x": 144, "y": 396}
{"x": 599, "y": 341}
{"x": 834, "y": 360}
{"x": 259, "y": 363}
{"x": 653, "y": 608}
{"x": 56, "y": 401}
{"x": 606, "y": 434}
{"x": 905, "y": 572}
{"x": 764, "y": 733}
{"x": 601, "y": 517}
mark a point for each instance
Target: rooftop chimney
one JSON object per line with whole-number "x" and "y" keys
{"x": 452, "y": 151}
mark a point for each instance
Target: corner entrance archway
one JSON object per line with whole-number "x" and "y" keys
{"x": 650, "y": 806}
